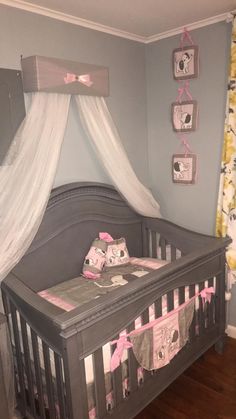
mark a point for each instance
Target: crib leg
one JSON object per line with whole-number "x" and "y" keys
{"x": 220, "y": 344}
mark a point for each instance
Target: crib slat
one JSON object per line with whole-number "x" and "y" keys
{"x": 132, "y": 365}
{"x": 163, "y": 248}
{"x": 170, "y": 301}
{"x": 145, "y": 320}
{"x": 181, "y": 295}
{"x": 38, "y": 377}
{"x": 201, "y": 311}
{"x": 192, "y": 329}
{"x": 210, "y": 306}
{"x": 28, "y": 366}
{"x": 117, "y": 381}
{"x": 19, "y": 359}
{"x": 49, "y": 385}
{"x": 149, "y": 243}
{"x": 217, "y": 294}
{"x": 158, "y": 308}
{"x": 172, "y": 252}
{"x": 145, "y": 241}
{"x": 99, "y": 381}
{"x": 220, "y": 312}
{"x": 154, "y": 244}
{"x": 145, "y": 316}
{"x": 60, "y": 386}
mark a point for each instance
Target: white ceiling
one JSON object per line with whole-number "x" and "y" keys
{"x": 140, "y": 18}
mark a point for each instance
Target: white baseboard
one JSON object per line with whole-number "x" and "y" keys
{"x": 231, "y": 331}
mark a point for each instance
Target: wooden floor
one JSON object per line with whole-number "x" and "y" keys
{"x": 207, "y": 390}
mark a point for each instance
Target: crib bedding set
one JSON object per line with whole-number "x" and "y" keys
{"x": 154, "y": 345}
{"x": 101, "y": 338}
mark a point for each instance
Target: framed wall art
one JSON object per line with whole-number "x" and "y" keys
{"x": 184, "y": 168}
{"x": 185, "y": 62}
{"x": 184, "y": 116}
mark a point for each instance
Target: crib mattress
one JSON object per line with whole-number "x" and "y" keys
{"x": 80, "y": 290}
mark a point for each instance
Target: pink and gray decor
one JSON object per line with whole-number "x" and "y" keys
{"x": 53, "y": 75}
{"x": 184, "y": 113}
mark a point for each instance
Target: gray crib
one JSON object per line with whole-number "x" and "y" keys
{"x": 56, "y": 387}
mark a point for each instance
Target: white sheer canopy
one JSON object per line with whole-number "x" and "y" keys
{"x": 27, "y": 175}
{"x": 98, "y": 123}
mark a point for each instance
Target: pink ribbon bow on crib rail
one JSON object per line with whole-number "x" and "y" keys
{"x": 206, "y": 294}
{"x": 83, "y": 78}
{"x": 121, "y": 344}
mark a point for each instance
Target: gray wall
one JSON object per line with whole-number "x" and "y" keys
{"x": 191, "y": 206}
{"x": 30, "y": 34}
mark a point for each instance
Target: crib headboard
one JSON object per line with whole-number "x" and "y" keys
{"x": 75, "y": 214}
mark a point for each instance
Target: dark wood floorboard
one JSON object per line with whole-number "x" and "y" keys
{"x": 207, "y": 390}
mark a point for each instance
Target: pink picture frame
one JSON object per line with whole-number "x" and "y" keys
{"x": 185, "y": 62}
{"x": 184, "y": 116}
{"x": 184, "y": 168}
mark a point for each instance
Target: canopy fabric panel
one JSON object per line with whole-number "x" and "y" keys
{"x": 27, "y": 176}
{"x": 98, "y": 123}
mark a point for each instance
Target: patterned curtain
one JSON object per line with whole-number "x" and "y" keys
{"x": 226, "y": 210}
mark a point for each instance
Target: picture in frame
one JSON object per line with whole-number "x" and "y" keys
{"x": 184, "y": 116}
{"x": 184, "y": 168}
{"x": 185, "y": 62}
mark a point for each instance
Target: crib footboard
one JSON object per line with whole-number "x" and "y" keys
{"x": 133, "y": 389}
{"x": 63, "y": 359}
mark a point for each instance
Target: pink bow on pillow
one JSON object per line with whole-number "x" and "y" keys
{"x": 106, "y": 237}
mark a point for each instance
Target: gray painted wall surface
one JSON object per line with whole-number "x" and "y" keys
{"x": 191, "y": 206}
{"x": 30, "y": 34}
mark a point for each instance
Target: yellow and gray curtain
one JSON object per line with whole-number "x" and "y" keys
{"x": 226, "y": 210}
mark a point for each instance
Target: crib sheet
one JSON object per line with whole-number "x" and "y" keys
{"x": 80, "y": 290}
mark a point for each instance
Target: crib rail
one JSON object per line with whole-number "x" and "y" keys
{"x": 53, "y": 383}
{"x": 164, "y": 234}
{"x": 128, "y": 380}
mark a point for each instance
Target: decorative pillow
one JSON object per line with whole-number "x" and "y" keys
{"x": 95, "y": 259}
{"x": 117, "y": 253}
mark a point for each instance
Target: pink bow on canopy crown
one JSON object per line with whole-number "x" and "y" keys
{"x": 83, "y": 78}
